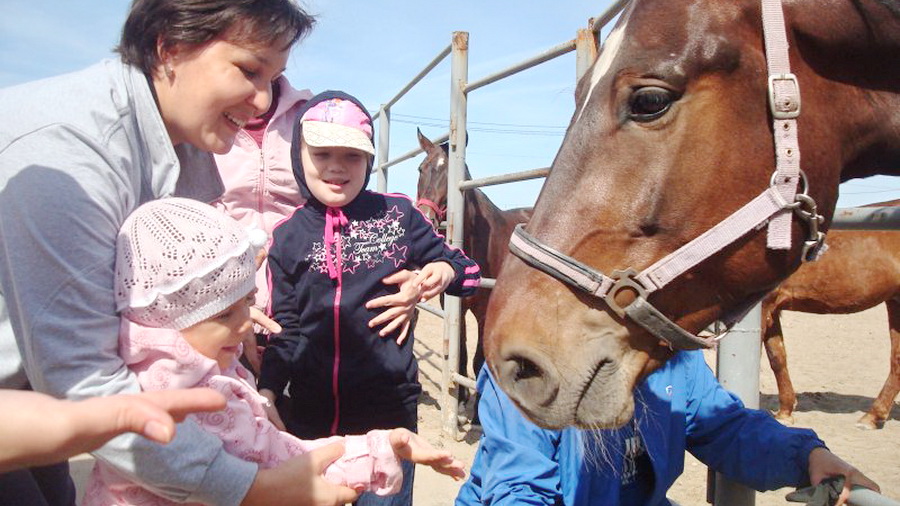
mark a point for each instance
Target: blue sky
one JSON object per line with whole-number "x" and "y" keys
{"x": 372, "y": 48}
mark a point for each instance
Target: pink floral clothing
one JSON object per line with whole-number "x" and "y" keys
{"x": 162, "y": 359}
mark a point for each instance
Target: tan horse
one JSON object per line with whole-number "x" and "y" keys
{"x": 672, "y": 134}
{"x": 860, "y": 270}
{"x": 486, "y": 231}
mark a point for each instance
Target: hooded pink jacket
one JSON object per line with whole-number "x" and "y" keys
{"x": 260, "y": 189}
{"x": 162, "y": 359}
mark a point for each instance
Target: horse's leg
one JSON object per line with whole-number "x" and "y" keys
{"x": 462, "y": 393}
{"x": 479, "y": 310}
{"x": 775, "y": 350}
{"x": 881, "y": 406}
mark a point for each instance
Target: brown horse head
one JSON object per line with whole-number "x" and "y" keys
{"x": 431, "y": 191}
{"x": 672, "y": 134}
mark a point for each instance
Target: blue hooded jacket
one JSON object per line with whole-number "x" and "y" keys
{"x": 345, "y": 378}
{"x": 679, "y": 407}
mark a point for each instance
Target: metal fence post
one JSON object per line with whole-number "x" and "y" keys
{"x": 585, "y": 51}
{"x": 459, "y": 76}
{"x": 384, "y": 146}
{"x": 737, "y": 367}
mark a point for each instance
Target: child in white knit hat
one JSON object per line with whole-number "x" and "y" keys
{"x": 184, "y": 287}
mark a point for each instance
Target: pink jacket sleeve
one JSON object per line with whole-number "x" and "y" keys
{"x": 163, "y": 359}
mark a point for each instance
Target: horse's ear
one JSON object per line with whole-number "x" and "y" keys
{"x": 424, "y": 142}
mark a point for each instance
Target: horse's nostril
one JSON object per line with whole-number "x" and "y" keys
{"x": 526, "y": 369}
{"x": 529, "y": 378}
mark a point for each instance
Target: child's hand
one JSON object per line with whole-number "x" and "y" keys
{"x": 434, "y": 278}
{"x": 410, "y": 446}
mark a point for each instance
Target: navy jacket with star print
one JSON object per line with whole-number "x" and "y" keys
{"x": 343, "y": 378}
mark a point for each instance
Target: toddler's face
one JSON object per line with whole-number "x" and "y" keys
{"x": 218, "y": 337}
{"x": 334, "y": 175}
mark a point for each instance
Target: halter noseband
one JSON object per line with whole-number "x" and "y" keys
{"x": 439, "y": 212}
{"x": 774, "y": 206}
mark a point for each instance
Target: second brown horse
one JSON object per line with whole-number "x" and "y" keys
{"x": 486, "y": 231}
{"x": 860, "y": 270}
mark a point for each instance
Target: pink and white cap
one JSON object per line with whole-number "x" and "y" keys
{"x": 338, "y": 123}
{"x": 180, "y": 261}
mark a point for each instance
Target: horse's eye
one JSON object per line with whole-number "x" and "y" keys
{"x": 649, "y": 103}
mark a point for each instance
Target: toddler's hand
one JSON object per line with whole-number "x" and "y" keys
{"x": 410, "y": 446}
{"x": 434, "y": 278}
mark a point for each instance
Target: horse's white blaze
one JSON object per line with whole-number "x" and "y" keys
{"x": 607, "y": 55}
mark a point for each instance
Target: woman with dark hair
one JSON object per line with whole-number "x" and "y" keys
{"x": 78, "y": 153}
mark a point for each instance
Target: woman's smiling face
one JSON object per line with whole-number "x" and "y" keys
{"x": 207, "y": 94}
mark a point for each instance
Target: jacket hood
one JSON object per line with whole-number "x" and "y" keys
{"x": 297, "y": 163}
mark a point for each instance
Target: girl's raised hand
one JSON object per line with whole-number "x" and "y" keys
{"x": 434, "y": 278}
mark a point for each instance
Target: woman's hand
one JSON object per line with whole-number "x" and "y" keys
{"x": 38, "y": 429}
{"x": 260, "y": 318}
{"x": 400, "y": 306}
{"x": 410, "y": 446}
{"x": 253, "y": 353}
{"x": 824, "y": 464}
{"x": 299, "y": 481}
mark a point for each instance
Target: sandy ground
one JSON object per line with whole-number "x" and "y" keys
{"x": 838, "y": 364}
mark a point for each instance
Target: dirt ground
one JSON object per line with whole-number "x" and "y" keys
{"x": 838, "y": 364}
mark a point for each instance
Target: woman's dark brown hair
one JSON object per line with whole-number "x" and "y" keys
{"x": 193, "y": 23}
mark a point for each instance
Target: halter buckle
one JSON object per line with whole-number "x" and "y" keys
{"x": 623, "y": 279}
{"x": 787, "y": 109}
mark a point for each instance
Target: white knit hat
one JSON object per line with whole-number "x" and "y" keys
{"x": 180, "y": 261}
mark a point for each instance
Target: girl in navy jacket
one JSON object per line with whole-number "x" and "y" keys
{"x": 326, "y": 261}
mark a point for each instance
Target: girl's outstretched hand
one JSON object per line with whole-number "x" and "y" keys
{"x": 434, "y": 278}
{"x": 410, "y": 446}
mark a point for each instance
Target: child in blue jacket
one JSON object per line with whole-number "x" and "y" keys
{"x": 679, "y": 407}
{"x": 326, "y": 261}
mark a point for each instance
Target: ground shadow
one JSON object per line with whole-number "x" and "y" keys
{"x": 827, "y": 402}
